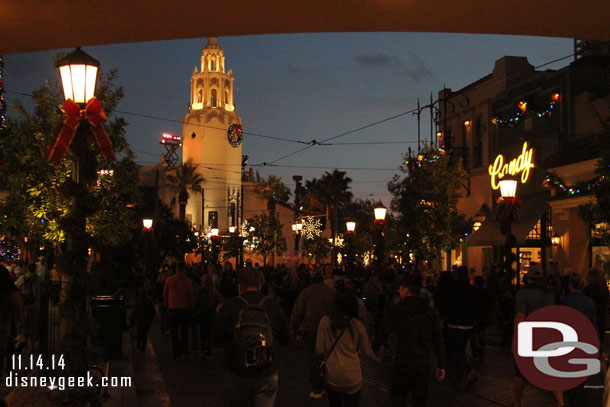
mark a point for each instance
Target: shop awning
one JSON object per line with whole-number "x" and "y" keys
{"x": 533, "y": 207}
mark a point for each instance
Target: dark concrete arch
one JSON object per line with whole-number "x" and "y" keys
{"x": 32, "y": 25}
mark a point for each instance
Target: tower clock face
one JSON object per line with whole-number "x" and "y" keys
{"x": 235, "y": 135}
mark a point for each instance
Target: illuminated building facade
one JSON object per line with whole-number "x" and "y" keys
{"x": 544, "y": 127}
{"x": 212, "y": 136}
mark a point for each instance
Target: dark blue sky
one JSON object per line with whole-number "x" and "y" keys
{"x": 302, "y": 87}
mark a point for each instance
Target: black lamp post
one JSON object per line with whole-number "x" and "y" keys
{"x": 296, "y": 229}
{"x": 234, "y": 246}
{"x": 215, "y": 237}
{"x": 380, "y": 212}
{"x": 507, "y": 213}
{"x": 350, "y": 232}
{"x": 78, "y": 72}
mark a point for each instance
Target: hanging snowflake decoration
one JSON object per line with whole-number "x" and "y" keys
{"x": 312, "y": 227}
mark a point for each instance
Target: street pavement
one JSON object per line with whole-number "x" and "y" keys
{"x": 197, "y": 383}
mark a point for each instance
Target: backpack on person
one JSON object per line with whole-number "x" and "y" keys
{"x": 253, "y": 335}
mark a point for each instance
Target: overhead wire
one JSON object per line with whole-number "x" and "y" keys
{"x": 309, "y": 144}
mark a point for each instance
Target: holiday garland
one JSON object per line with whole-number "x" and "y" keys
{"x": 583, "y": 187}
{"x": 523, "y": 108}
{"x": 2, "y": 101}
{"x": 417, "y": 162}
{"x": 235, "y": 135}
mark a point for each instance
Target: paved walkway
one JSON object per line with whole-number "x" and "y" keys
{"x": 194, "y": 383}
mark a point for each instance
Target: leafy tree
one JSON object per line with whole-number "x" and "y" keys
{"x": 185, "y": 177}
{"x": 328, "y": 194}
{"x": 273, "y": 190}
{"x": 39, "y": 206}
{"x": 265, "y": 235}
{"x": 597, "y": 215}
{"x": 361, "y": 212}
{"x": 424, "y": 204}
{"x": 40, "y": 195}
{"x": 316, "y": 249}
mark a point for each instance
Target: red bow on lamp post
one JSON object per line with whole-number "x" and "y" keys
{"x": 74, "y": 115}
{"x": 508, "y": 210}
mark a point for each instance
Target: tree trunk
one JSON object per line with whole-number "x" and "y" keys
{"x": 182, "y": 212}
{"x": 183, "y": 197}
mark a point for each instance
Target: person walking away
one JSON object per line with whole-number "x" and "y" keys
{"x": 251, "y": 327}
{"x": 206, "y": 304}
{"x": 228, "y": 282}
{"x": 143, "y": 315}
{"x": 11, "y": 315}
{"x": 528, "y": 299}
{"x": 344, "y": 336}
{"x": 290, "y": 289}
{"x": 484, "y": 305}
{"x": 312, "y": 304}
{"x": 29, "y": 287}
{"x": 41, "y": 269}
{"x": 461, "y": 315}
{"x": 597, "y": 290}
{"x": 163, "y": 275}
{"x": 579, "y": 301}
{"x": 179, "y": 297}
{"x": 418, "y": 332}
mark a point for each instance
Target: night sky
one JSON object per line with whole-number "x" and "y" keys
{"x": 302, "y": 87}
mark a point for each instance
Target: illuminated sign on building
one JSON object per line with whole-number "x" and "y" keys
{"x": 521, "y": 164}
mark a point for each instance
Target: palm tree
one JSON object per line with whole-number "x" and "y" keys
{"x": 184, "y": 178}
{"x": 274, "y": 190}
{"x": 329, "y": 193}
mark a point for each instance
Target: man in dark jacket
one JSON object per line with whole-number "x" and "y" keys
{"x": 311, "y": 305}
{"x": 255, "y": 385}
{"x": 460, "y": 321}
{"x": 418, "y": 332}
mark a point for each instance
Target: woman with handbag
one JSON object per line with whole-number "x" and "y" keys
{"x": 341, "y": 336}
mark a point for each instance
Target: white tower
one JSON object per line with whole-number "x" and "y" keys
{"x": 206, "y": 143}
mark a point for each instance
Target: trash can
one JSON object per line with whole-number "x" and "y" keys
{"x": 109, "y": 313}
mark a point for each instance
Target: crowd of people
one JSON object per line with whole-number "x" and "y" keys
{"x": 20, "y": 301}
{"x": 432, "y": 327}
{"x": 427, "y": 325}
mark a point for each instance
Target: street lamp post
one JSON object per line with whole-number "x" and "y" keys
{"x": 508, "y": 211}
{"x": 147, "y": 225}
{"x": 350, "y": 232}
{"x": 380, "y": 212}
{"x": 232, "y": 231}
{"x": 215, "y": 249}
{"x": 296, "y": 229}
{"x": 84, "y": 119}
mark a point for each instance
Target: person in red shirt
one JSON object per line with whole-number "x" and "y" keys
{"x": 179, "y": 298}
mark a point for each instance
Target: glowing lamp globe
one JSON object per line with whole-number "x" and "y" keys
{"x": 380, "y": 212}
{"x": 555, "y": 240}
{"x": 350, "y": 226}
{"x": 508, "y": 188}
{"x": 147, "y": 223}
{"x": 299, "y": 227}
{"x": 294, "y": 227}
{"x": 214, "y": 232}
{"x": 78, "y": 71}
{"x": 231, "y": 229}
